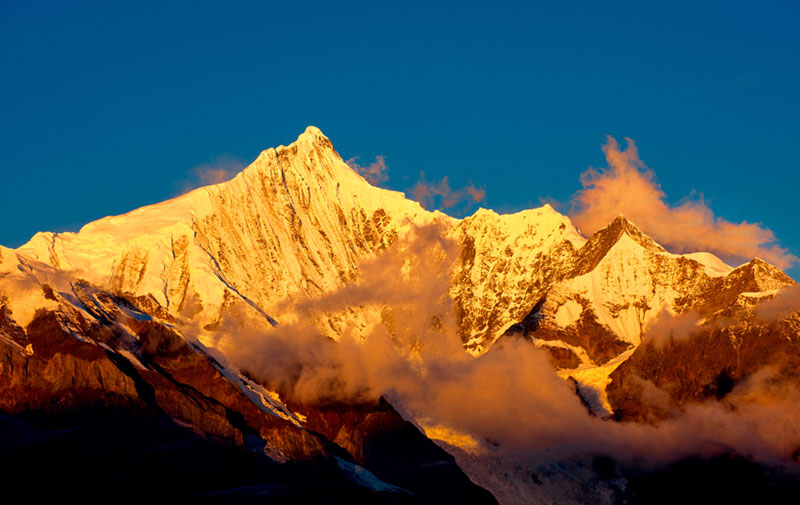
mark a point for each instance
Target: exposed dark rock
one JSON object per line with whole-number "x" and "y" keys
{"x": 598, "y": 341}
{"x": 561, "y": 357}
{"x": 378, "y": 438}
{"x": 661, "y": 377}
{"x": 175, "y": 394}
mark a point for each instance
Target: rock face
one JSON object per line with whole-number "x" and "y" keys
{"x": 507, "y": 264}
{"x": 663, "y": 376}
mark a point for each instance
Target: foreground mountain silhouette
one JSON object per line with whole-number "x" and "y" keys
{"x": 125, "y": 315}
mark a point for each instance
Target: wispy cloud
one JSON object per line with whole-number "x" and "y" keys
{"x": 786, "y": 302}
{"x": 629, "y": 187}
{"x": 375, "y": 173}
{"x": 431, "y": 194}
{"x": 440, "y": 195}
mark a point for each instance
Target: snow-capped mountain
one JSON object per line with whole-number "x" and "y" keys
{"x": 298, "y": 221}
{"x": 128, "y": 310}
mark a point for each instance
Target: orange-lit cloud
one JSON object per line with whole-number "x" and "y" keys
{"x": 510, "y": 395}
{"x": 441, "y": 195}
{"x": 784, "y": 304}
{"x": 666, "y": 327}
{"x": 627, "y": 186}
{"x": 375, "y": 173}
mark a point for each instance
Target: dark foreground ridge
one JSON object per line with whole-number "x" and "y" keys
{"x": 90, "y": 422}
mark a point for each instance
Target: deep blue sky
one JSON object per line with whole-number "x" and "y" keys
{"x": 106, "y": 108}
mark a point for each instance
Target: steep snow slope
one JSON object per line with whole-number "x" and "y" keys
{"x": 295, "y": 223}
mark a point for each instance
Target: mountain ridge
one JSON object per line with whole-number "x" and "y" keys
{"x": 130, "y": 312}
{"x": 299, "y": 221}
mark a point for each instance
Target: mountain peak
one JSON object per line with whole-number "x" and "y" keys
{"x": 763, "y": 275}
{"x": 623, "y": 223}
{"x": 310, "y": 155}
{"x": 312, "y": 139}
{"x": 604, "y": 239}
{"x": 622, "y": 226}
{"x": 312, "y": 133}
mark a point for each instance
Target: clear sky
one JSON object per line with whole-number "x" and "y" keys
{"x": 105, "y": 108}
